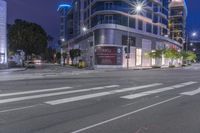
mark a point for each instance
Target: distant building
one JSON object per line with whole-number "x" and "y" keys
{"x": 195, "y": 47}
{"x": 177, "y": 20}
{"x": 64, "y": 35}
{"x": 3, "y": 33}
{"x": 63, "y": 9}
{"x": 105, "y": 29}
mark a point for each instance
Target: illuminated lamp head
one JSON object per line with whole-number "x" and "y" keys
{"x": 65, "y": 6}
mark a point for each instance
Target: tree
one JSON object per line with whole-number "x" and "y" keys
{"x": 171, "y": 54}
{"x": 155, "y": 54}
{"x": 27, "y": 36}
{"x": 191, "y": 56}
{"x": 58, "y": 57}
{"x": 74, "y": 53}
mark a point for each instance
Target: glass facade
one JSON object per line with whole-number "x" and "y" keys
{"x": 90, "y": 13}
{"x": 118, "y": 12}
{"x": 3, "y": 33}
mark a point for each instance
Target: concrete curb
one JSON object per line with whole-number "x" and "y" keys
{"x": 12, "y": 70}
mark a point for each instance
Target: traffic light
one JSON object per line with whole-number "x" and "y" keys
{"x": 127, "y": 49}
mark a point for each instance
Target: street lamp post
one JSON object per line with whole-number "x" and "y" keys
{"x": 62, "y": 51}
{"x": 193, "y": 34}
{"x": 92, "y": 57}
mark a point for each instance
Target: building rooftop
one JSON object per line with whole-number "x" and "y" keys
{"x": 178, "y": 3}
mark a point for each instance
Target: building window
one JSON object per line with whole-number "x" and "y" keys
{"x": 149, "y": 15}
{"x": 155, "y": 18}
{"x": 132, "y": 23}
{"x": 140, "y": 25}
{"x": 108, "y": 5}
{"x": 138, "y": 57}
{"x": 149, "y": 28}
{"x": 155, "y": 29}
{"x": 132, "y": 40}
{"x": 108, "y": 19}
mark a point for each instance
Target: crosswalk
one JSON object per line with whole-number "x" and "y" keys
{"x": 67, "y": 94}
{"x": 84, "y": 97}
{"x": 51, "y": 94}
{"x": 137, "y": 95}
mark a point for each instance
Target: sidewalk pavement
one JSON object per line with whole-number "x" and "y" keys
{"x": 52, "y": 71}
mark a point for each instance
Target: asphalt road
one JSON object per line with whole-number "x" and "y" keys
{"x": 134, "y": 101}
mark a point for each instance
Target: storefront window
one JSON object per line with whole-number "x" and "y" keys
{"x": 138, "y": 57}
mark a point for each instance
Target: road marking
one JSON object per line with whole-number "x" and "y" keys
{"x": 125, "y": 115}
{"x": 191, "y": 93}
{"x": 21, "y": 108}
{"x": 142, "y": 94}
{"x": 53, "y": 94}
{"x": 89, "y": 96}
{"x": 35, "y": 91}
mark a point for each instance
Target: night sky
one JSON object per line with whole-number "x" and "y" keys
{"x": 44, "y": 13}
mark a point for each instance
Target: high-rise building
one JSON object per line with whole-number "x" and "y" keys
{"x": 177, "y": 20}
{"x": 3, "y": 33}
{"x": 119, "y": 33}
{"x": 63, "y": 9}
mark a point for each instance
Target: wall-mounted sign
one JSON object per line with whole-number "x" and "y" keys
{"x": 108, "y": 55}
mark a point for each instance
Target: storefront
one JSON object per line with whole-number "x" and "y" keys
{"x": 108, "y": 55}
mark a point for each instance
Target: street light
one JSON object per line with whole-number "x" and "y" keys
{"x": 62, "y": 50}
{"x": 84, "y": 29}
{"x": 138, "y": 8}
{"x": 62, "y": 40}
{"x": 194, "y": 34}
{"x": 188, "y": 38}
{"x": 92, "y": 58}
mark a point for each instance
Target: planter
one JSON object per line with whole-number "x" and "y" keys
{"x": 156, "y": 67}
{"x": 172, "y": 66}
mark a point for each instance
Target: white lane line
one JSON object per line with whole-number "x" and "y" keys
{"x": 124, "y": 115}
{"x": 89, "y": 96}
{"x": 191, "y": 93}
{"x": 34, "y": 91}
{"x": 142, "y": 94}
{"x": 21, "y": 108}
{"x": 53, "y": 94}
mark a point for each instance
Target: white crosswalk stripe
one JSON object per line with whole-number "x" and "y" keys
{"x": 53, "y": 94}
{"x": 142, "y": 94}
{"x": 191, "y": 93}
{"x": 35, "y": 91}
{"x": 89, "y": 96}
